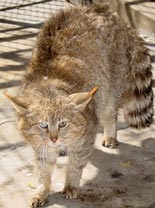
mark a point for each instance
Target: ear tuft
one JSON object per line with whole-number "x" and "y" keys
{"x": 20, "y": 107}
{"x": 10, "y": 97}
{"x": 93, "y": 91}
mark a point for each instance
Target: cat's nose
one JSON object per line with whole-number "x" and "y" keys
{"x": 54, "y": 139}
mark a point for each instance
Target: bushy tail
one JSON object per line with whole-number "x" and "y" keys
{"x": 138, "y": 106}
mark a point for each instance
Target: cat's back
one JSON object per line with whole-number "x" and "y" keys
{"x": 80, "y": 42}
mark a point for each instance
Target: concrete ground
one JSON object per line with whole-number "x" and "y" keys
{"x": 118, "y": 178}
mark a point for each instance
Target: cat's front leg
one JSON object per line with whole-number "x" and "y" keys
{"x": 41, "y": 194}
{"x": 71, "y": 189}
{"x": 73, "y": 176}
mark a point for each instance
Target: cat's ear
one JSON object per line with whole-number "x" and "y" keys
{"x": 82, "y": 99}
{"x": 17, "y": 105}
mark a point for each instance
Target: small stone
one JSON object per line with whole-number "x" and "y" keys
{"x": 29, "y": 174}
{"x": 116, "y": 174}
{"x": 31, "y": 185}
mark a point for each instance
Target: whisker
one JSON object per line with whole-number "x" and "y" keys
{"x": 41, "y": 155}
{"x": 36, "y": 147}
{"x": 44, "y": 155}
{"x": 46, "y": 152}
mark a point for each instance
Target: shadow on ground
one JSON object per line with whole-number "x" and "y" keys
{"x": 124, "y": 180}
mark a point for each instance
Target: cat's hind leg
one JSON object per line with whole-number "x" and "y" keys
{"x": 110, "y": 126}
{"x": 110, "y": 139}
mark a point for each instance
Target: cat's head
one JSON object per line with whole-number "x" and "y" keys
{"x": 53, "y": 121}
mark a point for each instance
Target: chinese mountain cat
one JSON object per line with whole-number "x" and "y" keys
{"x": 86, "y": 64}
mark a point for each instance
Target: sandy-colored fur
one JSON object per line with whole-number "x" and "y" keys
{"x": 76, "y": 50}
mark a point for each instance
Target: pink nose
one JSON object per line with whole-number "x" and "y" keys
{"x": 54, "y": 139}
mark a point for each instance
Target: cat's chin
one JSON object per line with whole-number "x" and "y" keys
{"x": 53, "y": 145}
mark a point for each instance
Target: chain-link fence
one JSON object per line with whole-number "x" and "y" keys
{"x": 29, "y": 11}
{"x": 19, "y": 24}
{"x": 81, "y": 2}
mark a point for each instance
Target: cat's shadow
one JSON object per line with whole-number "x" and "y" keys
{"x": 114, "y": 173}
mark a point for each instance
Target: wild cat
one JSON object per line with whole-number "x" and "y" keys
{"x": 86, "y": 64}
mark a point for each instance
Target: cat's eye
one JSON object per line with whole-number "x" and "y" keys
{"x": 62, "y": 124}
{"x": 43, "y": 125}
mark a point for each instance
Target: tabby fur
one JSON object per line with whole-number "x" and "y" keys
{"x": 76, "y": 50}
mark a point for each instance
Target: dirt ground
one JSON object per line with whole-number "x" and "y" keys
{"x": 117, "y": 178}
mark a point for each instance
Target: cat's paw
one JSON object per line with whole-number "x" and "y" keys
{"x": 110, "y": 142}
{"x": 71, "y": 192}
{"x": 37, "y": 201}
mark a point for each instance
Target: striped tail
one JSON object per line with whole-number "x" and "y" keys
{"x": 138, "y": 106}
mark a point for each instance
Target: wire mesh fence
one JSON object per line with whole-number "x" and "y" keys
{"x": 29, "y": 11}
{"x": 20, "y": 21}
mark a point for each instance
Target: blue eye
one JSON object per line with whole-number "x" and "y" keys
{"x": 43, "y": 125}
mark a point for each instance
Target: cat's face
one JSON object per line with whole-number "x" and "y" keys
{"x": 53, "y": 123}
